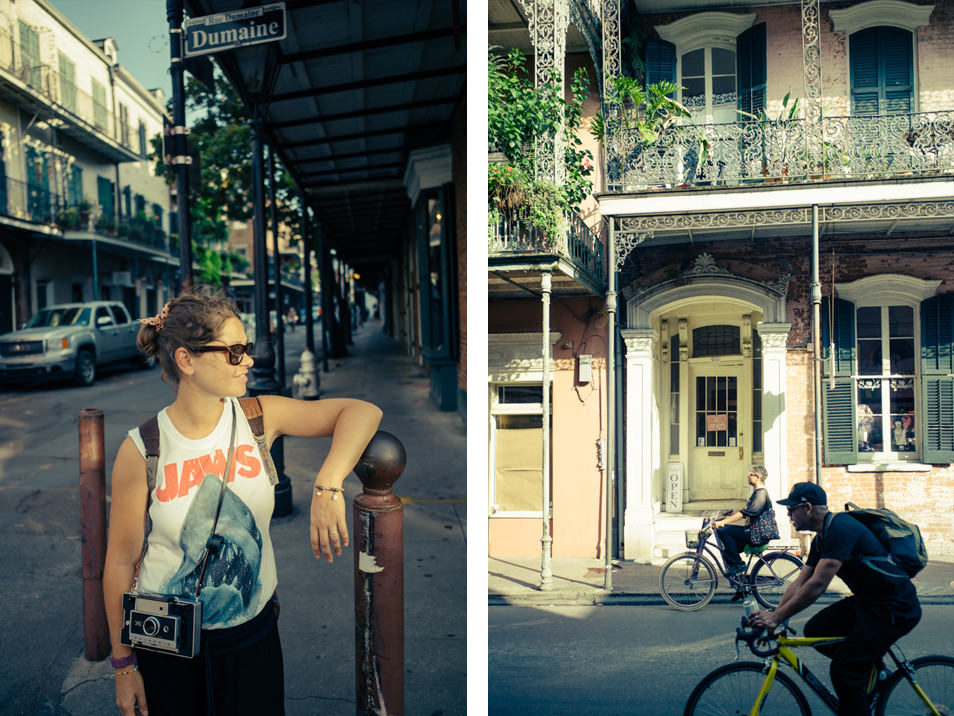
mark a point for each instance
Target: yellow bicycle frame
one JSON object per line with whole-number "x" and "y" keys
{"x": 785, "y": 646}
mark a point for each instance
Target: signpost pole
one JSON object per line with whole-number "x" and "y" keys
{"x": 180, "y": 156}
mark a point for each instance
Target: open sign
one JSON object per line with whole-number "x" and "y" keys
{"x": 717, "y": 423}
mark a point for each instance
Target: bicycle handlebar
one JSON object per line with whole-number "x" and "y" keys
{"x": 754, "y": 636}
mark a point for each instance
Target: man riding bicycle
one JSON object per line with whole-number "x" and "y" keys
{"x": 883, "y": 607}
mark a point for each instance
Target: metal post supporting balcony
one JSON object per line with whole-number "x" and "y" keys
{"x": 546, "y": 541}
{"x": 279, "y": 302}
{"x": 263, "y": 372}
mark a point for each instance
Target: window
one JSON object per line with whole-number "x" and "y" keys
{"x": 717, "y": 411}
{"x": 517, "y": 450}
{"x": 107, "y": 200}
{"x": 143, "y": 144}
{"x": 888, "y": 377}
{"x": 157, "y": 215}
{"x": 74, "y": 189}
{"x": 721, "y": 64}
{"x": 124, "y": 124}
{"x": 127, "y": 200}
{"x": 32, "y": 71}
{"x": 100, "y": 112}
{"x": 882, "y": 77}
{"x": 38, "y": 185}
{"x": 67, "y": 83}
{"x": 716, "y": 341}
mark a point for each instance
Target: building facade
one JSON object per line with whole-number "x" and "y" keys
{"x": 783, "y": 270}
{"x": 82, "y": 214}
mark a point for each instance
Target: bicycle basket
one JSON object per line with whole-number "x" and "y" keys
{"x": 694, "y": 537}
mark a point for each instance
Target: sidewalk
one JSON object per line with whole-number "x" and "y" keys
{"x": 317, "y": 599}
{"x": 515, "y": 581}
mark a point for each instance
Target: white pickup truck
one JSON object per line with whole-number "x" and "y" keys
{"x": 70, "y": 340}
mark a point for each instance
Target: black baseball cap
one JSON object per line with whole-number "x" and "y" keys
{"x": 803, "y": 492}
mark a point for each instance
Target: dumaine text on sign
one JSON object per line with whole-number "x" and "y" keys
{"x": 228, "y": 30}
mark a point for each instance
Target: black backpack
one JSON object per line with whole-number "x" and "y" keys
{"x": 901, "y": 538}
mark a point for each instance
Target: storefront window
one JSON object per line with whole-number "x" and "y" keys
{"x": 517, "y": 450}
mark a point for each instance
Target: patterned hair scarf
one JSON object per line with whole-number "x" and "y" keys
{"x": 158, "y": 319}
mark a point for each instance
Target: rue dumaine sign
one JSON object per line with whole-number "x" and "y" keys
{"x": 228, "y": 30}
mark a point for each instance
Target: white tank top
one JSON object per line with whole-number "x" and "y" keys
{"x": 241, "y": 578}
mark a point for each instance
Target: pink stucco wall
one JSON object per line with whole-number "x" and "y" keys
{"x": 579, "y": 420}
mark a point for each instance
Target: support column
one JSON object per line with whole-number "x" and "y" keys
{"x": 179, "y": 131}
{"x": 279, "y": 301}
{"x": 812, "y": 79}
{"x": 774, "y": 366}
{"x": 546, "y": 573}
{"x": 642, "y": 436}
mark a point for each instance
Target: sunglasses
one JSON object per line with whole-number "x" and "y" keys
{"x": 234, "y": 353}
{"x": 795, "y": 507}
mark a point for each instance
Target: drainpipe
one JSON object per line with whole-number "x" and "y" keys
{"x": 816, "y": 345}
{"x": 546, "y": 573}
{"x": 610, "y": 461}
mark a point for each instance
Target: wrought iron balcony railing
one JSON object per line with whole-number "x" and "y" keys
{"x": 46, "y": 81}
{"x": 513, "y": 235}
{"x": 752, "y": 152}
{"x": 29, "y": 202}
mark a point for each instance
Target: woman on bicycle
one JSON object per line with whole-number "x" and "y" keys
{"x": 735, "y": 537}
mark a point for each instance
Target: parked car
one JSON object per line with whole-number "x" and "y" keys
{"x": 70, "y": 340}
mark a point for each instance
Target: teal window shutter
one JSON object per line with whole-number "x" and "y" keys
{"x": 750, "y": 69}
{"x": 104, "y": 192}
{"x": 937, "y": 383}
{"x": 882, "y": 71}
{"x": 840, "y": 440}
{"x": 660, "y": 61}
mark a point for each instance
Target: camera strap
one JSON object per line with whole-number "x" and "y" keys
{"x": 214, "y": 543}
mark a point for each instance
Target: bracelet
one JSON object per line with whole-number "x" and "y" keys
{"x": 135, "y": 667}
{"x": 333, "y": 490}
{"x": 123, "y": 662}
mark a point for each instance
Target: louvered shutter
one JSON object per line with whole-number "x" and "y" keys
{"x": 838, "y": 394}
{"x": 895, "y": 52}
{"x": 660, "y": 61}
{"x": 750, "y": 69}
{"x": 937, "y": 383}
{"x": 881, "y": 71}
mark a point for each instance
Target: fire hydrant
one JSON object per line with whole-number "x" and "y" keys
{"x": 305, "y": 382}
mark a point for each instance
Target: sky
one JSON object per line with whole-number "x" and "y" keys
{"x": 139, "y": 27}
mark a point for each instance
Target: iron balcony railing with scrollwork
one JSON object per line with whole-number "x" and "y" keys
{"x": 514, "y": 236}
{"x": 834, "y": 149}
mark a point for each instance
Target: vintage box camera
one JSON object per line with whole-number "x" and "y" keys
{"x": 167, "y": 624}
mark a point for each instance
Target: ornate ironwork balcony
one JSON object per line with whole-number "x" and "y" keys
{"x": 753, "y": 152}
{"x": 514, "y": 236}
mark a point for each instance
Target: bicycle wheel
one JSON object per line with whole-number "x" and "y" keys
{"x": 731, "y": 689}
{"x": 772, "y": 575}
{"x": 686, "y": 583}
{"x": 934, "y": 674}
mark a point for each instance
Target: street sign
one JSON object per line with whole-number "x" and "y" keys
{"x": 228, "y": 30}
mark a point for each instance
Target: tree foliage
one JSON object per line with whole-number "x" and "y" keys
{"x": 221, "y": 135}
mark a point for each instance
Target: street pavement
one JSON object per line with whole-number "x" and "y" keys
{"x": 581, "y": 581}
{"x": 42, "y": 667}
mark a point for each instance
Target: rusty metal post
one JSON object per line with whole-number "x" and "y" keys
{"x": 93, "y": 531}
{"x": 379, "y": 580}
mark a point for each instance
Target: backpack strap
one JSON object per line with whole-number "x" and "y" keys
{"x": 252, "y": 408}
{"x": 149, "y": 434}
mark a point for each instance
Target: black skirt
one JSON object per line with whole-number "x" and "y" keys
{"x": 238, "y": 672}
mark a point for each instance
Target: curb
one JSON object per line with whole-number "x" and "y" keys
{"x": 601, "y": 598}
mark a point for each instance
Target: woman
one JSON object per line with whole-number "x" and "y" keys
{"x": 735, "y": 537}
{"x": 203, "y": 350}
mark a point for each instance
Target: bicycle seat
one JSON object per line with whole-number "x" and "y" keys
{"x": 755, "y": 549}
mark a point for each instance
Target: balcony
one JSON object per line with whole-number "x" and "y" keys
{"x": 39, "y": 89}
{"x": 518, "y": 252}
{"x": 753, "y": 153}
{"x": 27, "y": 202}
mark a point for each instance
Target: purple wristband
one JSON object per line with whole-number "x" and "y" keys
{"x": 123, "y": 662}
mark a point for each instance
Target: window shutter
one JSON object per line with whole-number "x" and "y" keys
{"x": 750, "y": 69}
{"x": 660, "y": 61}
{"x": 937, "y": 384}
{"x": 840, "y": 440}
{"x": 844, "y": 336}
{"x": 881, "y": 71}
{"x": 864, "y": 72}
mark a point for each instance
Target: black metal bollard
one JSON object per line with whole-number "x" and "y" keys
{"x": 93, "y": 532}
{"x": 379, "y": 580}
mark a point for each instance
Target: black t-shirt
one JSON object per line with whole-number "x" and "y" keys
{"x": 758, "y": 502}
{"x": 847, "y": 540}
